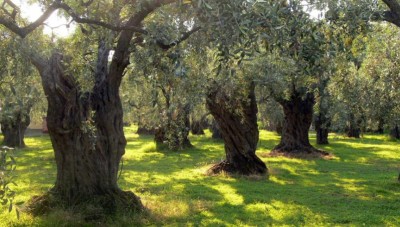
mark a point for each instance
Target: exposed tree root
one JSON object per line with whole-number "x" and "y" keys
{"x": 95, "y": 207}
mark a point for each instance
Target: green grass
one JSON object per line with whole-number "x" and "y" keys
{"x": 357, "y": 187}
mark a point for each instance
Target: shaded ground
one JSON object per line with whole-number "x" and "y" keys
{"x": 358, "y": 186}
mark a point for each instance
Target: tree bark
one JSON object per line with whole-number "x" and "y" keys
{"x": 322, "y": 124}
{"x": 239, "y": 131}
{"x": 14, "y": 129}
{"x": 298, "y": 117}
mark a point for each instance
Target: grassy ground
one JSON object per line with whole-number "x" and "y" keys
{"x": 357, "y": 187}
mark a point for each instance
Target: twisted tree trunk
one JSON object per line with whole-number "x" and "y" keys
{"x": 239, "y": 131}
{"x": 14, "y": 129}
{"x": 88, "y": 147}
{"x": 298, "y": 117}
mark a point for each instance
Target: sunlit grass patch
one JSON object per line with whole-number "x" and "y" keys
{"x": 358, "y": 187}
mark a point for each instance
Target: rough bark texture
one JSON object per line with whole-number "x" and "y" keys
{"x": 239, "y": 131}
{"x": 395, "y": 132}
{"x": 298, "y": 113}
{"x": 322, "y": 124}
{"x": 14, "y": 129}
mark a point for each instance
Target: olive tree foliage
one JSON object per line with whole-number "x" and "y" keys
{"x": 293, "y": 67}
{"x": 381, "y": 73}
{"x": 173, "y": 80}
{"x": 19, "y": 89}
{"x": 7, "y": 179}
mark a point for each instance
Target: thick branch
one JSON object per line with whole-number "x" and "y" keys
{"x": 388, "y": 16}
{"x": 24, "y": 31}
{"x": 392, "y": 16}
{"x": 393, "y": 5}
{"x": 121, "y": 54}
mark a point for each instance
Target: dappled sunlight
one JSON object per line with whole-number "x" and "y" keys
{"x": 290, "y": 212}
{"x": 229, "y": 193}
{"x": 358, "y": 186}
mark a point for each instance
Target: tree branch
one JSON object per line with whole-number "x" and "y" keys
{"x": 386, "y": 16}
{"x": 24, "y": 31}
{"x": 185, "y": 36}
{"x": 121, "y": 55}
{"x": 393, "y": 5}
{"x": 392, "y": 16}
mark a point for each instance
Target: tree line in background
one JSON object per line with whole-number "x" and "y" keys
{"x": 173, "y": 66}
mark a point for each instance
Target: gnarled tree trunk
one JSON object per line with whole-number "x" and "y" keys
{"x": 239, "y": 131}
{"x": 298, "y": 117}
{"x": 14, "y": 129}
{"x": 86, "y": 132}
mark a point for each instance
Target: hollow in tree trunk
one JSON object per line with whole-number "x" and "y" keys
{"x": 322, "y": 124}
{"x": 298, "y": 113}
{"x": 239, "y": 131}
{"x": 14, "y": 128}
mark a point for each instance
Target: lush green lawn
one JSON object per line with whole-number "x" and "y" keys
{"x": 357, "y": 187}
